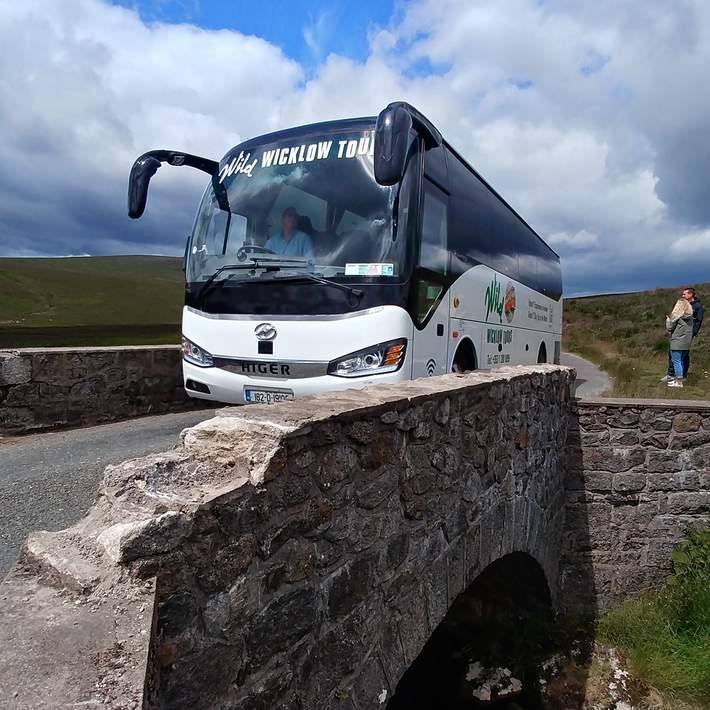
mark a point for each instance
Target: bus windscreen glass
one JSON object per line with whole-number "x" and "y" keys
{"x": 310, "y": 203}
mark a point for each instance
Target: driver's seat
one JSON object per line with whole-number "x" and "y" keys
{"x": 304, "y": 224}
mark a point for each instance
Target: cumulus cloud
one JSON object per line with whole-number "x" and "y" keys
{"x": 589, "y": 119}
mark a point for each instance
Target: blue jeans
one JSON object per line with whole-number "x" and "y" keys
{"x": 686, "y": 363}
{"x": 677, "y": 358}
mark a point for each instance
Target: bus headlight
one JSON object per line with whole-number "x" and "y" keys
{"x": 195, "y": 354}
{"x": 375, "y": 360}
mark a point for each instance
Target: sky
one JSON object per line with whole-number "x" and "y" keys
{"x": 591, "y": 119}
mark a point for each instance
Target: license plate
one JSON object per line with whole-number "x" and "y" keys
{"x": 254, "y": 396}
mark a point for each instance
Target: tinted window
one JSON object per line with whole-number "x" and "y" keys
{"x": 469, "y": 218}
{"x": 433, "y": 250}
{"x": 485, "y": 230}
{"x": 435, "y": 167}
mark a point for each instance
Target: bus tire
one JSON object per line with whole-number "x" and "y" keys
{"x": 542, "y": 354}
{"x": 465, "y": 359}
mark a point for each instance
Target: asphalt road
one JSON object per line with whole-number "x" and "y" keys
{"x": 48, "y": 481}
{"x": 591, "y": 381}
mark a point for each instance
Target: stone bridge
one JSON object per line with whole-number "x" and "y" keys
{"x": 301, "y": 556}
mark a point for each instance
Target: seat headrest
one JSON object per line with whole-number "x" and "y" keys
{"x": 304, "y": 224}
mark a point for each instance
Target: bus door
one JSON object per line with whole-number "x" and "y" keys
{"x": 431, "y": 308}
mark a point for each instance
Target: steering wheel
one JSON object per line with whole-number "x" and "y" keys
{"x": 245, "y": 250}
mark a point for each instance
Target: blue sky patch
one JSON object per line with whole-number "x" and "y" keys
{"x": 306, "y": 30}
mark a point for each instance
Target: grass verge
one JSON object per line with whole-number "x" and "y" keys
{"x": 666, "y": 636}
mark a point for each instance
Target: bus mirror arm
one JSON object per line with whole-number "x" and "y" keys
{"x": 147, "y": 165}
{"x": 392, "y": 130}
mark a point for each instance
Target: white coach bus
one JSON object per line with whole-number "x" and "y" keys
{"x": 358, "y": 251}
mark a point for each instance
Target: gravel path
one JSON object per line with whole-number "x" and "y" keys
{"x": 48, "y": 481}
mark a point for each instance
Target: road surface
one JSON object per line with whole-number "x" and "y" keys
{"x": 48, "y": 481}
{"x": 591, "y": 381}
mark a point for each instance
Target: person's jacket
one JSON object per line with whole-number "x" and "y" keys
{"x": 681, "y": 332}
{"x": 698, "y": 314}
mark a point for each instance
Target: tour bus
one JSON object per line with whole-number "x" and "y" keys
{"x": 351, "y": 252}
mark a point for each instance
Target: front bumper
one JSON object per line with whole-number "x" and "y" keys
{"x": 228, "y": 387}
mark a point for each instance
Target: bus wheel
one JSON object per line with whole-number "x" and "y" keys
{"x": 542, "y": 354}
{"x": 465, "y": 358}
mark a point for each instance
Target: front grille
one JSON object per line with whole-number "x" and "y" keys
{"x": 272, "y": 369}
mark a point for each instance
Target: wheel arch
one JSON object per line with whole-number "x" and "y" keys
{"x": 465, "y": 356}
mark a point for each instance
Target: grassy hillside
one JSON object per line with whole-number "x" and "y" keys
{"x": 625, "y": 334}
{"x": 107, "y": 300}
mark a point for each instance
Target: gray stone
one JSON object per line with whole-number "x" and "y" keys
{"x": 688, "y": 504}
{"x": 593, "y": 438}
{"x": 152, "y": 536}
{"x": 657, "y": 440}
{"x": 624, "y": 419}
{"x": 686, "y": 421}
{"x": 701, "y": 457}
{"x": 652, "y": 420}
{"x": 281, "y": 623}
{"x": 623, "y": 437}
{"x": 615, "y": 460}
{"x": 664, "y": 462}
{"x": 15, "y": 369}
{"x": 598, "y": 481}
{"x": 691, "y": 440}
{"x": 349, "y": 586}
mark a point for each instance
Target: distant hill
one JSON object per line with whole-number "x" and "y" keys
{"x": 97, "y": 300}
{"x": 134, "y": 300}
{"x": 625, "y": 334}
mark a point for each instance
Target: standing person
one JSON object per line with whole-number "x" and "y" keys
{"x": 679, "y": 325}
{"x": 690, "y": 295}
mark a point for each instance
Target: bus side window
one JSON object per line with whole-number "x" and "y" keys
{"x": 433, "y": 252}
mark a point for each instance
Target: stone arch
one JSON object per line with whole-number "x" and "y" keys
{"x": 502, "y": 599}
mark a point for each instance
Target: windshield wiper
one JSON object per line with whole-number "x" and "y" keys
{"x": 358, "y": 293}
{"x": 210, "y": 281}
{"x": 252, "y": 266}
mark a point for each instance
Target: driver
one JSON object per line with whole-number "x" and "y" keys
{"x": 290, "y": 241}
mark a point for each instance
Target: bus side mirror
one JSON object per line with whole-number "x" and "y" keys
{"x": 142, "y": 171}
{"x": 147, "y": 165}
{"x": 391, "y": 144}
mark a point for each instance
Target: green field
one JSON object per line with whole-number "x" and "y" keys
{"x": 103, "y": 300}
{"x": 625, "y": 334}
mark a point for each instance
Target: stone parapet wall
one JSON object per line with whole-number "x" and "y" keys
{"x": 301, "y": 555}
{"x": 58, "y": 387}
{"x": 638, "y": 473}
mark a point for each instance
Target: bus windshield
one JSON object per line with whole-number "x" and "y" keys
{"x": 308, "y": 203}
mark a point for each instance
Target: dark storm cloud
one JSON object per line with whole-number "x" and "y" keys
{"x": 82, "y": 215}
{"x": 683, "y": 170}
